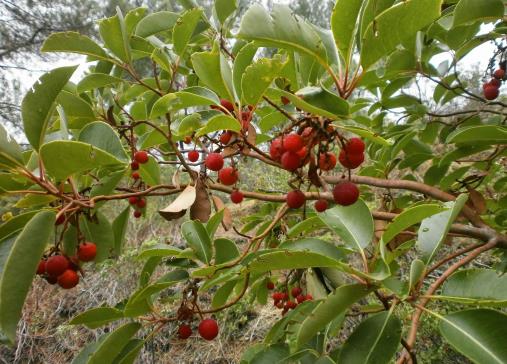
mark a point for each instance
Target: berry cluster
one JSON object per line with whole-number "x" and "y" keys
{"x": 140, "y": 157}
{"x": 491, "y": 89}
{"x": 208, "y": 329}
{"x": 63, "y": 270}
{"x": 286, "y": 301}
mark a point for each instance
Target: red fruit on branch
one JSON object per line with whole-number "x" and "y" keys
{"x": 302, "y": 152}
{"x": 345, "y": 193}
{"x": 308, "y": 297}
{"x": 295, "y": 291}
{"x": 141, "y": 203}
{"x": 41, "y": 268}
{"x": 279, "y": 304}
{"x": 350, "y": 161}
{"x": 193, "y": 156}
{"x": 141, "y": 156}
{"x": 225, "y": 137}
{"x": 134, "y": 165}
{"x": 300, "y": 298}
{"x": 208, "y": 329}
{"x": 292, "y": 142}
{"x": 60, "y": 220}
{"x": 291, "y": 161}
{"x": 228, "y": 176}
{"x": 290, "y": 305}
{"x": 327, "y": 161}
{"x": 270, "y": 285}
{"x": 321, "y": 205}
{"x": 499, "y": 74}
{"x": 68, "y": 279}
{"x": 491, "y": 92}
{"x": 276, "y": 149}
{"x": 285, "y": 100}
{"x": 214, "y": 161}
{"x": 56, "y": 265}
{"x": 236, "y": 196}
{"x": 87, "y": 252}
{"x": 277, "y": 296}
{"x": 184, "y": 331}
{"x": 494, "y": 82}
{"x": 295, "y": 199}
{"x": 136, "y": 176}
{"x": 355, "y": 146}
{"x": 227, "y": 104}
{"x": 137, "y": 214}
{"x": 133, "y": 200}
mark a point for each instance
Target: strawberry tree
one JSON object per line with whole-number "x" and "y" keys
{"x": 412, "y": 189}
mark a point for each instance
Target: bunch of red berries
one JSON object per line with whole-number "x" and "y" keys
{"x": 63, "y": 270}
{"x": 208, "y": 329}
{"x": 491, "y": 89}
{"x": 140, "y": 157}
{"x": 286, "y": 302}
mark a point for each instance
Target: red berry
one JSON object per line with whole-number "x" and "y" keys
{"x": 227, "y": 104}
{"x": 491, "y": 92}
{"x": 141, "y": 203}
{"x": 285, "y": 296}
{"x": 134, "y": 165}
{"x": 136, "y": 176}
{"x": 137, "y": 214}
{"x": 355, "y": 146}
{"x": 295, "y": 291}
{"x": 327, "y": 161}
{"x": 295, "y": 199}
{"x": 303, "y": 152}
{"x": 291, "y": 161}
{"x": 184, "y": 331}
{"x": 308, "y": 297}
{"x": 208, "y": 329}
{"x": 285, "y": 100}
{"x": 350, "y": 161}
{"x": 236, "y": 196}
{"x": 214, "y": 161}
{"x": 51, "y": 279}
{"x": 270, "y": 285}
{"x": 277, "y": 296}
{"x": 345, "y": 193}
{"x": 193, "y": 156}
{"x": 499, "y": 74}
{"x": 133, "y": 200}
{"x": 292, "y": 142}
{"x": 87, "y": 252}
{"x": 279, "y": 304}
{"x": 321, "y": 205}
{"x": 60, "y": 220}
{"x": 225, "y": 137}
{"x": 228, "y": 176}
{"x": 141, "y": 156}
{"x": 41, "y": 268}
{"x": 68, "y": 279}
{"x": 290, "y": 305}
{"x": 56, "y": 265}
{"x": 300, "y": 298}
{"x": 276, "y": 149}
{"x": 494, "y": 82}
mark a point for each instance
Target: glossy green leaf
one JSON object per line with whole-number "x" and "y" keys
{"x": 222, "y": 294}
{"x": 106, "y": 185}
{"x": 150, "y": 172}
{"x": 306, "y": 226}
{"x": 73, "y": 42}
{"x": 198, "y": 239}
{"x": 353, "y": 224}
{"x": 38, "y": 104}
{"x": 257, "y": 77}
{"x": 433, "y": 230}
{"x": 224, "y": 9}
{"x": 184, "y": 29}
{"x": 344, "y": 25}
{"x": 208, "y": 67}
{"x": 120, "y": 225}
{"x": 394, "y": 26}
{"x": 112, "y": 34}
{"x": 219, "y": 122}
{"x": 315, "y": 246}
{"x": 100, "y": 232}
{"x": 10, "y": 151}
{"x": 225, "y": 250}
{"x": 34, "y": 200}
{"x": 130, "y": 352}
{"x": 478, "y": 334}
{"x": 89, "y": 349}
{"x": 77, "y": 111}
{"x": 417, "y": 270}
{"x": 374, "y": 341}
{"x": 156, "y": 23}
{"x": 113, "y": 344}
{"x": 97, "y": 317}
{"x": 19, "y": 269}
{"x": 471, "y": 11}
{"x": 160, "y": 250}
{"x": 214, "y": 222}
{"x": 79, "y": 157}
{"x": 15, "y": 223}
{"x": 335, "y": 304}
{"x": 103, "y": 136}
{"x": 318, "y": 100}
{"x": 243, "y": 59}
{"x": 97, "y": 80}
{"x": 492, "y": 134}
{"x": 366, "y": 134}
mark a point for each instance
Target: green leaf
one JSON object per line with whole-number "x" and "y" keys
{"x": 112, "y": 34}
{"x": 19, "y": 269}
{"x": 208, "y": 67}
{"x": 417, "y": 269}
{"x": 39, "y": 102}
{"x": 120, "y": 225}
{"x": 243, "y": 59}
{"x": 374, "y": 341}
{"x": 219, "y": 122}
{"x": 184, "y": 29}
{"x": 156, "y": 23}
{"x": 491, "y": 134}
{"x": 103, "y": 136}
{"x": 224, "y": 9}
{"x": 78, "y": 111}
{"x": 73, "y": 42}
{"x": 15, "y": 223}
{"x": 198, "y": 239}
{"x": 281, "y": 28}
{"x": 433, "y": 230}
{"x": 471, "y": 11}
{"x": 214, "y": 222}
{"x": 409, "y": 217}
{"x": 304, "y": 227}
{"x": 315, "y": 246}
{"x": 318, "y": 100}
{"x": 97, "y": 317}
{"x": 160, "y": 250}
{"x": 258, "y": 76}
{"x": 353, "y": 224}
{"x": 33, "y": 200}
{"x": 10, "y": 151}
{"x": 150, "y": 172}
{"x": 478, "y": 334}
{"x": 96, "y": 80}
{"x": 344, "y": 25}
{"x": 106, "y": 185}
{"x": 366, "y": 134}
{"x": 99, "y": 232}
{"x": 335, "y": 304}
{"x": 130, "y": 352}
{"x": 479, "y": 287}
{"x": 89, "y": 349}
{"x": 113, "y": 344}
{"x": 192, "y": 96}
{"x": 395, "y": 26}
{"x": 79, "y": 157}
{"x": 225, "y": 250}
{"x": 222, "y": 294}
